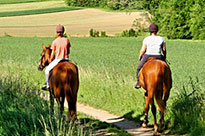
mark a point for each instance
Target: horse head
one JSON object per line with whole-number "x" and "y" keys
{"x": 45, "y": 57}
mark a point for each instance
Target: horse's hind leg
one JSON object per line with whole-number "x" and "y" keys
{"x": 166, "y": 95}
{"x": 161, "y": 108}
{"x": 51, "y": 101}
{"x": 62, "y": 99}
{"x": 72, "y": 108}
{"x": 153, "y": 108}
{"x": 150, "y": 100}
{"x": 146, "y": 112}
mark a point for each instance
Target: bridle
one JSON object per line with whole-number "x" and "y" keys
{"x": 41, "y": 60}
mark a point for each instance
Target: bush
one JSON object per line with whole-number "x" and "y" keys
{"x": 150, "y": 5}
{"x": 103, "y": 34}
{"x": 112, "y": 4}
{"x": 124, "y": 4}
{"x": 86, "y": 3}
{"x": 95, "y": 33}
{"x": 129, "y": 33}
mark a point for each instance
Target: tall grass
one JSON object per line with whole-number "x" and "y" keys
{"x": 23, "y": 112}
{"x": 187, "y": 111}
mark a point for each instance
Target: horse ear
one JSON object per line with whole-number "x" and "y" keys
{"x": 43, "y": 46}
{"x": 49, "y": 46}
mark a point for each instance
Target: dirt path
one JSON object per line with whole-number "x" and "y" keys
{"x": 132, "y": 128}
{"x": 77, "y": 22}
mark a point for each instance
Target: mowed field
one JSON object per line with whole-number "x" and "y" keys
{"x": 77, "y": 22}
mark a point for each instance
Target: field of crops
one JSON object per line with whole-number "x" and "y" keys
{"x": 107, "y": 72}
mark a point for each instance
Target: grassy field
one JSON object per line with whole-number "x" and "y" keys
{"x": 23, "y": 112}
{"x": 7, "y": 10}
{"x": 107, "y": 73}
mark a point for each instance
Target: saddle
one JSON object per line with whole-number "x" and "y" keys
{"x": 151, "y": 58}
{"x": 154, "y": 58}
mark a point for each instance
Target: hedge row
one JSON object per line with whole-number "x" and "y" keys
{"x": 112, "y": 4}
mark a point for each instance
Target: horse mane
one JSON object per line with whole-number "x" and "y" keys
{"x": 48, "y": 47}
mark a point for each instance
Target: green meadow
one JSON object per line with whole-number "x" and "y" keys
{"x": 22, "y": 111}
{"x": 107, "y": 68}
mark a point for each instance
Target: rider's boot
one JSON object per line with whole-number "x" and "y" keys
{"x": 137, "y": 84}
{"x": 45, "y": 87}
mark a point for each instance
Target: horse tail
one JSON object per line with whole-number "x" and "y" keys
{"x": 72, "y": 86}
{"x": 159, "y": 94}
{"x": 167, "y": 85}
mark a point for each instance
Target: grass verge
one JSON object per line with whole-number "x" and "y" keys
{"x": 23, "y": 112}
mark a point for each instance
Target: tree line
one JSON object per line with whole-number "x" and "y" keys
{"x": 177, "y": 19}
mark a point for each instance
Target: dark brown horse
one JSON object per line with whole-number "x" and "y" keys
{"x": 155, "y": 78}
{"x": 63, "y": 82}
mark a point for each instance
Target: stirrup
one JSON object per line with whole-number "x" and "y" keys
{"x": 137, "y": 85}
{"x": 45, "y": 88}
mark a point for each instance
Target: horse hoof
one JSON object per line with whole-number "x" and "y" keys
{"x": 144, "y": 125}
{"x": 161, "y": 129}
{"x": 155, "y": 131}
{"x": 155, "y": 134}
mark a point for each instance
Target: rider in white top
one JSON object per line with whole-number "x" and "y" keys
{"x": 152, "y": 46}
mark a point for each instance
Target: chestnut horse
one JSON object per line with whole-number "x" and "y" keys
{"x": 63, "y": 82}
{"x": 155, "y": 78}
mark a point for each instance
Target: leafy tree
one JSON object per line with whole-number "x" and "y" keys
{"x": 112, "y": 4}
{"x": 182, "y": 19}
{"x": 197, "y": 21}
{"x": 150, "y": 5}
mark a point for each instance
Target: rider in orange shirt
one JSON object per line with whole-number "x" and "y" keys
{"x": 60, "y": 50}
